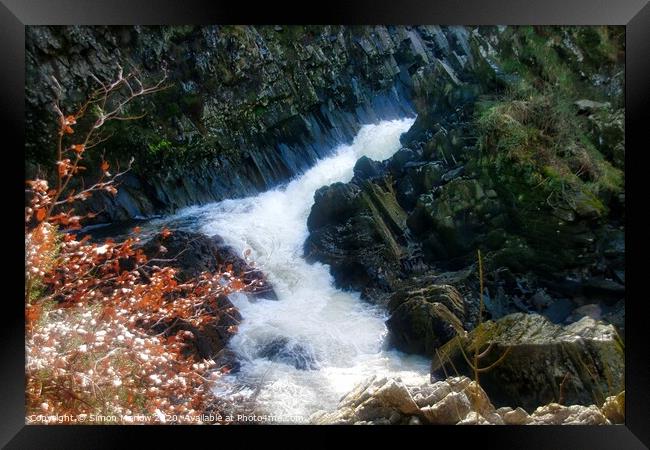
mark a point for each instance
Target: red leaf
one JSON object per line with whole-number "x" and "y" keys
{"x": 40, "y": 214}
{"x": 105, "y": 166}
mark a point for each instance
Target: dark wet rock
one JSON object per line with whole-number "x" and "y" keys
{"x": 401, "y": 159}
{"x": 208, "y": 340}
{"x": 366, "y": 168}
{"x": 359, "y": 231}
{"x": 426, "y": 318}
{"x": 453, "y": 220}
{"x": 194, "y": 253}
{"x": 587, "y": 355}
{"x": 333, "y": 204}
{"x": 455, "y": 173}
{"x": 559, "y": 310}
{"x": 541, "y": 300}
{"x": 227, "y": 361}
{"x": 289, "y": 352}
{"x": 608, "y": 290}
{"x": 248, "y": 107}
{"x": 260, "y": 287}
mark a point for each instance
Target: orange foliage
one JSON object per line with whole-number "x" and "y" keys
{"x": 91, "y": 309}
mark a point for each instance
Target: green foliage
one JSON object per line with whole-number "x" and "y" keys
{"x": 541, "y": 156}
{"x": 541, "y": 141}
{"x": 159, "y": 148}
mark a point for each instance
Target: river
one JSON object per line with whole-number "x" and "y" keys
{"x": 301, "y": 353}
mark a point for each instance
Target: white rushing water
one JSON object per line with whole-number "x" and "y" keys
{"x": 339, "y": 334}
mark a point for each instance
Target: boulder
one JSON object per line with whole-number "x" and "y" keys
{"x": 375, "y": 400}
{"x": 227, "y": 360}
{"x": 289, "y": 352}
{"x": 533, "y": 362}
{"x": 333, "y": 204}
{"x": 614, "y": 408}
{"x": 589, "y": 106}
{"x": 194, "y": 253}
{"x": 208, "y": 340}
{"x": 359, "y": 231}
{"x": 555, "y": 414}
{"x": 426, "y": 318}
{"x": 365, "y": 168}
{"x": 400, "y": 160}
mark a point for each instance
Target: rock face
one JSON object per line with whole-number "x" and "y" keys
{"x": 248, "y": 107}
{"x": 359, "y": 231}
{"x": 454, "y": 401}
{"x": 582, "y": 363}
{"x": 506, "y": 176}
{"x": 362, "y": 229}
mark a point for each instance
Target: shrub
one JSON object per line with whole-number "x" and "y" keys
{"x": 91, "y": 308}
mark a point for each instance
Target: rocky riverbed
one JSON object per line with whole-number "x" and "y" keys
{"x": 454, "y": 401}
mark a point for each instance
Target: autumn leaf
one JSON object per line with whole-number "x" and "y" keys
{"x": 40, "y": 214}
{"x": 78, "y": 148}
{"x": 33, "y": 312}
{"x": 105, "y": 166}
{"x": 237, "y": 285}
{"x": 165, "y": 233}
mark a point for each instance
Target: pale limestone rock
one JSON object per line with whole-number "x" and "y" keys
{"x": 448, "y": 411}
{"x": 515, "y": 417}
{"x": 614, "y": 408}
{"x": 436, "y": 392}
{"x": 456, "y": 400}
{"x": 555, "y": 414}
{"x": 474, "y": 418}
{"x": 397, "y": 395}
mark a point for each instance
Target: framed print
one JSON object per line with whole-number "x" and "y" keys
{"x": 366, "y": 214}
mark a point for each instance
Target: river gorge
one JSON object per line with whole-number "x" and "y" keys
{"x": 408, "y": 196}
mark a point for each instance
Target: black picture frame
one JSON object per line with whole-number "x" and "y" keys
{"x": 634, "y": 14}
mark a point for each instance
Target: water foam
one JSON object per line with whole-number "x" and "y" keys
{"x": 341, "y": 333}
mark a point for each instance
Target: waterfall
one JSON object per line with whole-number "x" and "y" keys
{"x": 303, "y": 352}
